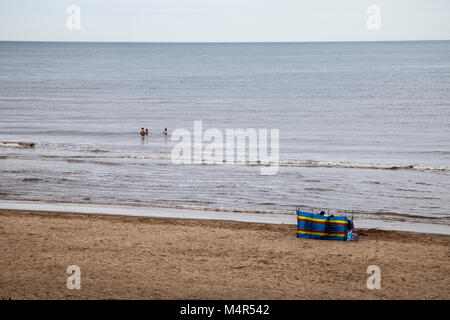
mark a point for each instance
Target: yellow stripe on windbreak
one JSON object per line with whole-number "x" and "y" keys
{"x": 321, "y": 234}
{"x": 322, "y": 220}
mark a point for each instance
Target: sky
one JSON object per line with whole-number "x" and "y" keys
{"x": 225, "y": 20}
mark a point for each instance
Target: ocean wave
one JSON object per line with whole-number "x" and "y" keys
{"x": 316, "y": 164}
{"x": 281, "y": 163}
{"x": 356, "y": 165}
{"x": 94, "y": 162}
{"x": 32, "y": 180}
{"x": 6, "y": 144}
{"x": 318, "y": 189}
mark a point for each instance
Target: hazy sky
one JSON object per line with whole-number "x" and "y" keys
{"x": 224, "y": 20}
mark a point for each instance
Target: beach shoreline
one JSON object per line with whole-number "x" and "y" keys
{"x": 379, "y": 221}
{"x": 124, "y": 257}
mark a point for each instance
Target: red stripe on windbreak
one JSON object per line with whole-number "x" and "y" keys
{"x": 343, "y": 222}
{"x": 310, "y": 230}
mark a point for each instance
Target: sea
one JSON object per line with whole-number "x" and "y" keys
{"x": 364, "y": 127}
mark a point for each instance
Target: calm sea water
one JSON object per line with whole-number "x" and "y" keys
{"x": 363, "y": 126}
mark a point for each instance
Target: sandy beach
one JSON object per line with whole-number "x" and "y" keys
{"x": 153, "y": 258}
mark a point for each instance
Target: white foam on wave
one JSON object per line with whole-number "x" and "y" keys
{"x": 356, "y": 165}
{"x": 256, "y": 162}
{"x": 312, "y": 163}
{"x": 6, "y": 144}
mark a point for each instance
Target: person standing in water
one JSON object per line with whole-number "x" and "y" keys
{"x": 146, "y": 131}
{"x": 142, "y": 132}
{"x": 165, "y": 132}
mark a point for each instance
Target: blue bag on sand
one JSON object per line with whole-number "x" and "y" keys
{"x": 353, "y": 235}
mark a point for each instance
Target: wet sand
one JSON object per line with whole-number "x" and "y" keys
{"x": 158, "y": 258}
